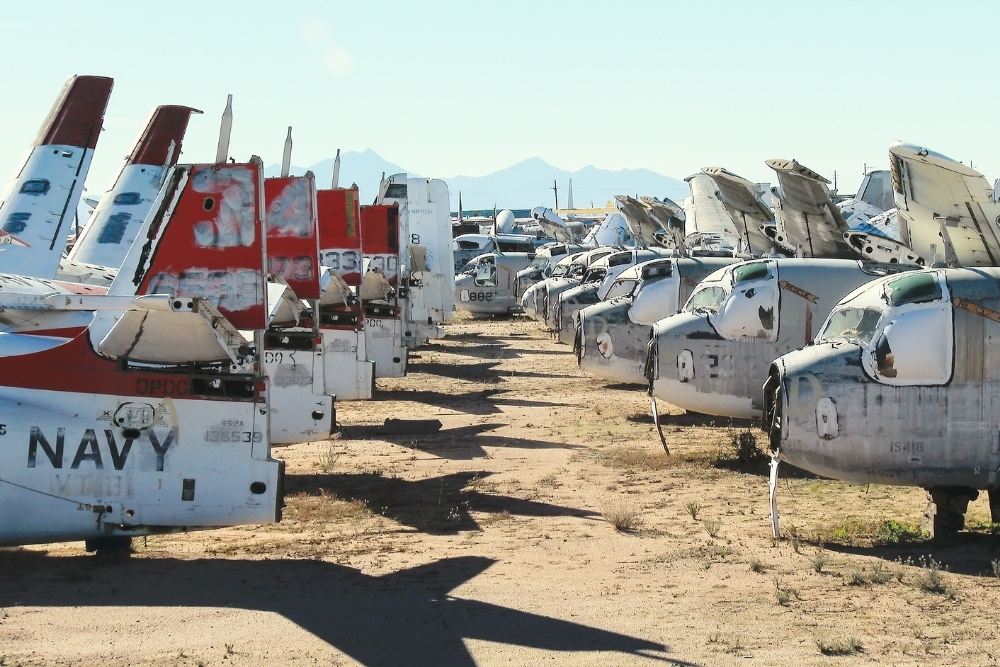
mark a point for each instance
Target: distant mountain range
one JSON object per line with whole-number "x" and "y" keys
{"x": 523, "y": 185}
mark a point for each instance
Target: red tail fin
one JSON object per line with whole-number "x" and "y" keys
{"x": 168, "y": 123}
{"x": 75, "y": 119}
{"x": 292, "y": 237}
{"x": 205, "y": 238}
{"x": 340, "y": 233}
{"x": 380, "y": 238}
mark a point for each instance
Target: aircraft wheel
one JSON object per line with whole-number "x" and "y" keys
{"x": 111, "y": 547}
{"x": 945, "y": 513}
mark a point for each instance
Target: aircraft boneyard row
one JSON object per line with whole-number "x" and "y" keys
{"x": 812, "y": 312}
{"x": 204, "y": 314}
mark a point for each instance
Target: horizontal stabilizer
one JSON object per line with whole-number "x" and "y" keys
{"x": 188, "y": 330}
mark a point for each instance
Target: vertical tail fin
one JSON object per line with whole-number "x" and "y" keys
{"x": 292, "y": 240}
{"x": 123, "y": 208}
{"x": 380, "y": 238}
{"x": 339, "y": 218}
{"x": 205, "y": 237}
{"x": 37, "y": 207}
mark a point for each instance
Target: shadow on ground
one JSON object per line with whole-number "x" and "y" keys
{"x": 462, "y": 443}
{"x": 969, "y": 553}
{"x": 407, "y": 617}
{"x": 436, "y": 505}
{"x": 485, "y": 402}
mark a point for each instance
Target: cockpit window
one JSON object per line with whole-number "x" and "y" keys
{"x": 913, "y": 288}
{"x": 853, "y": 324}
{"x": 468, "y": 245}
{"x": 594, "y": 275}
{"x": 470, "y": 266}
{"x": 539, "y": 262}
{"x": 618, "y": 260}
{"x": 707, "y": 299}
{"x": 754, "y": 271}
{"x": 657, "y": 271}
{"x": 621, "y": 288}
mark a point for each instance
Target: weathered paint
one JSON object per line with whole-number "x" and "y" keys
{"x": 931, "y": 433}
{"x": 205, "y": 238}
{"x": 118, "y": 217}
{"x": 39, "y": 203}
{"x": 760, "y": 318}
{"x": 292, "y": 233}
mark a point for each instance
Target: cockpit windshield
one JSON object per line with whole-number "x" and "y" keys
{"x": 539, "y": 262}
{"x": 707, "y": 299}
{"x": 621, "y": 288}
{"x": 855, "y": 324}
{"x": 917, "y": 287}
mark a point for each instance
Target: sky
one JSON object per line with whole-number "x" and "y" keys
{"x": 446, "y": 88}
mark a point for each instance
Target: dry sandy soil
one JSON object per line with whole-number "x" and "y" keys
{"x": 492, "y": 542}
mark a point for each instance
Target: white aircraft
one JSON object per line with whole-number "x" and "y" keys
{"x": 153, "y": 416}
{"x": 39, "y": 203}
{"x": 120, "y": 212}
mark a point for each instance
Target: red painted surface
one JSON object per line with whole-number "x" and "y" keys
{"x": 76, "y": 117}
{"x": 340, "y": 233}
{"x": 75, "y": 367}
{"x": 292, "y": 234}
{"x": 213, "y": 246}
{"x": 380, "y": 237}
{"x": 380, "y": 229}
{"x": 167, "y": 123}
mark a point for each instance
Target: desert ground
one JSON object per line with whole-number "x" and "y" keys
{"x": 542, "y": 524}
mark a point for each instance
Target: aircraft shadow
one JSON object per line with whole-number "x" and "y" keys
{"x": 436, "y": 505}
{"x": 486, "y": 402}
{"x": 485, "y": 372}
{"x": 969, "y": 553}
{"x": 483, "y": 351}
{"x": 459, "y": 444}
{"x": 692, "y": 419}
{"x": 406, "y": 617}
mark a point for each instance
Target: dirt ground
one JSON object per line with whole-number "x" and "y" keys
{"x": 493, "y": 541}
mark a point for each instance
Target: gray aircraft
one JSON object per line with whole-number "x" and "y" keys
{"x": 713, "y": 356}
{"x": 612, "y": 336}
{"x": 544, "y": 263}
{"x": 901, "y": 387}
{"x": 486, "y": 284}
{"x": 539, "y": 300}
{"x": 595, "y": 286}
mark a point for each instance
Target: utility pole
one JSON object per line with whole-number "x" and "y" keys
{"x": 555, "y": 190}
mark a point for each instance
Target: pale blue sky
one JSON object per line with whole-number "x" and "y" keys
{"x": 448, "y": 88}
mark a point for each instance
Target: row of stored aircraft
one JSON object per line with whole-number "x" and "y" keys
{"x": 203, "y": 314}
{"x": 860, "y": 330}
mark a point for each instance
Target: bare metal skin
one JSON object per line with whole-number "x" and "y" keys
{"x": 910, "y": 398}
{"x": 612, "y": 336}
{"x": 487, "y": 285}
{"x": 713, "y": 357}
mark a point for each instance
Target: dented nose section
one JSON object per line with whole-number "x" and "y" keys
{"x": 609, "y": 346}
{"x": 695, "y": 369}
{"x": 814, "y": 407}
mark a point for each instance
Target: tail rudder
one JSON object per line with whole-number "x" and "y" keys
{"x": 120, "y": 213}
{"x": 380, "y": 238}
{"x": 41, "y": 200}
{"x": 292, "y": 234}
{"x": 339, "y": 217}
{"x": 205, "y": 237}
